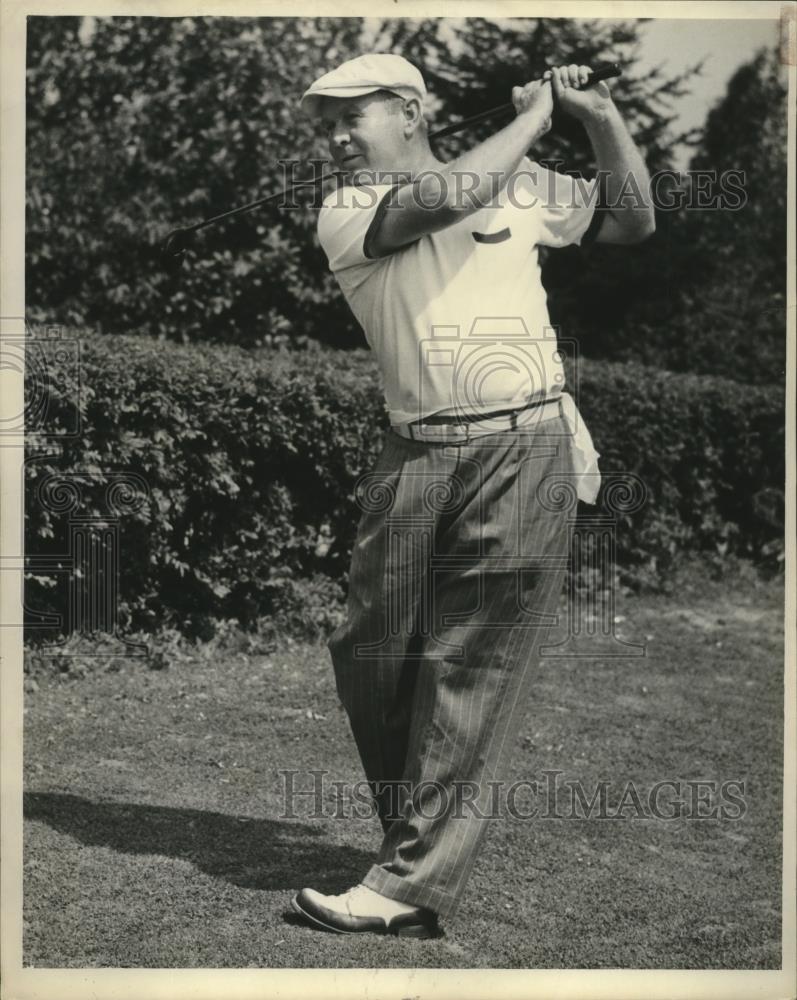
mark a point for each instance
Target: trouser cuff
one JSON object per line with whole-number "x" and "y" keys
{"x": 395, "y": 887}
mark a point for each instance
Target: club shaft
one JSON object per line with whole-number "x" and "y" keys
{"x": 261, "y": 201}
{"x": 604, "y": 71}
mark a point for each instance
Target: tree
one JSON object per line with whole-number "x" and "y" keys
{"x": 137, "y": 125}
{"x": 714, "y": 274}
{"x": 737, "y": 294}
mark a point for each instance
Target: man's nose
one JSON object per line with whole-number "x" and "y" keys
{"x": 340, "y": 136}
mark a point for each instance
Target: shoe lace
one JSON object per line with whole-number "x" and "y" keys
{"x": 346, "y": 898}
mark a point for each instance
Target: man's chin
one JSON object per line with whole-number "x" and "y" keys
{"x": 358, "y": 173}
{"x": 352, "y": 164}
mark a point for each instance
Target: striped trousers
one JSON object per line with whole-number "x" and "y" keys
{"x": 455, "y": 578}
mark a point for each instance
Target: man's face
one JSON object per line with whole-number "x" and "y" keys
{"x": 364, "y": 133}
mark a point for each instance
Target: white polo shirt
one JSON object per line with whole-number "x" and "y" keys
{"x": 458, "y": 320}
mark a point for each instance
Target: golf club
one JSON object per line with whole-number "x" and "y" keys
{"x": 173, "y": 248}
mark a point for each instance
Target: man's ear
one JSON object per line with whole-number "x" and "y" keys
{"x": 413, "y": 115}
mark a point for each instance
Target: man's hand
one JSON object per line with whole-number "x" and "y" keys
{"x": 628, "y": 216}
{"x": 568, "y": 82}
{"x": 535, "y": 101}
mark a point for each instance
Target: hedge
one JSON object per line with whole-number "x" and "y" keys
{"x": 247, "y": 464}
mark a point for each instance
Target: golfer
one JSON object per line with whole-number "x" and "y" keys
{"x": 462, "y": 546}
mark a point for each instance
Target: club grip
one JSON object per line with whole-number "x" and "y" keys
{"x": 603, "y": 71}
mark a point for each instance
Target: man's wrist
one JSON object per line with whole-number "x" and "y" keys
{"x": 598, "y": 118}
{"x": 534, "y": 123}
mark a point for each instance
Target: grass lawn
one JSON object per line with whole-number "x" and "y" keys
{"x": 153, "y": 835}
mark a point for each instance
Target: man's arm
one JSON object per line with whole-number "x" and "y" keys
{"x": 436, "y": 200}
{"x": 628, "y": 215}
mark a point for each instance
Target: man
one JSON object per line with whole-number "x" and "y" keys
{"x": 461, "y": 547}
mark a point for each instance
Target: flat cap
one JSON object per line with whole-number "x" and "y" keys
{"x": 364, "y": 75}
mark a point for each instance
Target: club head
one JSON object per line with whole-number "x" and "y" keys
{"x": 173, "y": 249}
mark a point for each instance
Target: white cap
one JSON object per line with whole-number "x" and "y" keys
{"x": 364, "y": 75}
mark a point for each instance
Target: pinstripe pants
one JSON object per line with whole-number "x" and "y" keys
{"x": 455, "y": 578}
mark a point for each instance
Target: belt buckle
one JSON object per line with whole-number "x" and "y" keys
{"x": 461, "y": 433}
{"x": 441, "y": 433}
{"x": 418, "y": 431}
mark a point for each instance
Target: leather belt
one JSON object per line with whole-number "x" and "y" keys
{"x": 460, "y": 428}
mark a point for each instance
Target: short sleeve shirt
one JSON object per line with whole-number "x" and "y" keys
{"x": 458, "y": 320}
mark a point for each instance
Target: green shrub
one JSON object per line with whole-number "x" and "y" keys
{"x": 250, "y": 461}
{"x": 710, "y": 451}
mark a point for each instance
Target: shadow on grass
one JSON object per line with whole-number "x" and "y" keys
{"x": 250, "y": 853}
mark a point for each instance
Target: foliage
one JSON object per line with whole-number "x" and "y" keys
{"x": 137, "y": 125}
{"x": 710, "y": 286}
{"x": 737, "y": 292}
{"x": 249, "y": 462}
{"x": 248, "y": 470}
